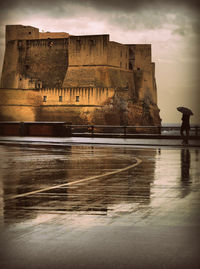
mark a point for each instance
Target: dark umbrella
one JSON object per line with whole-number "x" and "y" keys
{"x": 185, "y": 110}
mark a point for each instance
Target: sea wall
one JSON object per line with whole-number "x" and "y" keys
{"x": 71, "y": 104}
{"x": 106, "y": 106}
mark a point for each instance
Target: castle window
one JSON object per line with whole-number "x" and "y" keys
{"x": 120, "y": 64}
{"x": 138, "y": 68}
{"x": 29, "y": 33}
{"x": 44, "y": 98}
{"x": 77, "y": 98}
{"x": 60, "y": 98}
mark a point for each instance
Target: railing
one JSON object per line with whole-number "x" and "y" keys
{"x": 64, "y": 129}
{"x": 49, "y": 129}
{"x": 131, "y": 131}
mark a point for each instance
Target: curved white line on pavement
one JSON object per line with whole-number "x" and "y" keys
{"x": 138, "y": 161}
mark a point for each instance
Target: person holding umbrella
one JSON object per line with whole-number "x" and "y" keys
{"x": 185, "y": 126}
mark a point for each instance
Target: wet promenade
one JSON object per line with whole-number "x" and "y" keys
{"x": 95, "y": 205}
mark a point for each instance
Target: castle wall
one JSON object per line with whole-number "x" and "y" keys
{"x": 10, "y": 71}
{"x": 71, "y": 104}
{"x": 104, "y": 106}
{"x": 47, "y": 35}
{"x": 76, "y": 96}
{"x": 96, "y": 62}
{"x": 145, "y": 87}
{"x": 141, "y": 56}
{"x": 36, "y": 63}
{"x": 118, "y": 55}
{"x": 21, "y": 32}
{"x": 88, "y": 50}
{"x": 80, "y": 76}
{"x": 98, "y": 76}
{"x": 31, "y": 62}
{"x": 45, "y": 60}
{"x": 144, "y": 73}
{"x": 19, "y": 105}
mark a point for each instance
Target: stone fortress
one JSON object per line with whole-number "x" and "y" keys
{"x": 80, "y": 79}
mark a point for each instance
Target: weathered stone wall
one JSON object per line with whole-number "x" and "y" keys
{"x": 35, "y": 63}
{"x": 19, "y": 105}
{"x": 141, "y": 56}
{"x": 98, "y": 76}
{"x": 88, "y": 50}
{"x": 144, "y": 73}
{"x": 45, "y": 35}
{"x": 44, "y": 60}
{"x": 72, "y": 104}
{"x": 118, "y": 55}
{"x": 21, "y": 32}
{"x": 10, "y": 73}
{"x": 122, "y": 110}
{"x": 96, "y": 62}
{"x": 76, "y": 96}
{"x": 77, "y": 105}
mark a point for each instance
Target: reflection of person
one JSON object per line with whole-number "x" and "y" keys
{"x": 185, "y": 165}
{"x": 185, "y": 127}
{"x": 185, "y": 173}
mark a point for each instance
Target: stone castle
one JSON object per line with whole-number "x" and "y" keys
{"x": 80, "y": 79}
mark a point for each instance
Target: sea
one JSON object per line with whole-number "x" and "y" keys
{"x": 174, "y": 129}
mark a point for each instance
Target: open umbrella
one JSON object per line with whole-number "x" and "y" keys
{"x": 185, "y": 110}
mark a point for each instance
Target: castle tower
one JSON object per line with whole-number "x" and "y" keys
{"x": 32, "y": 61}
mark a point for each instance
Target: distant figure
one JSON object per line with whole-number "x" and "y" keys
{"x": 185, "y": 127}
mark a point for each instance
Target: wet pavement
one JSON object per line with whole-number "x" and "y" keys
{"x": 86, "y": 206}
{"x": 148, "y": 141}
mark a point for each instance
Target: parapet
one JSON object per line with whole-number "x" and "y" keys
{"x": 21, "y": 32}
{"x": 54, "y": 35}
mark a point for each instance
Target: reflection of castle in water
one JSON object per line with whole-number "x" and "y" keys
{"x": 51, "y": 167}
{"x": 30, "y": 169}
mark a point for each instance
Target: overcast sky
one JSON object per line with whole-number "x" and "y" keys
{"x": 171, "y": 26}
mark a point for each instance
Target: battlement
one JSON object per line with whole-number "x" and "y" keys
{"x": 49, "y": 42}
{"x": 21, "y": 32}
{"x": 54, "y": 35}
{"x": 75, "y": 96}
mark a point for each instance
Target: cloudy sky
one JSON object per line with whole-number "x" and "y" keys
{"x": 171, "y": 26}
